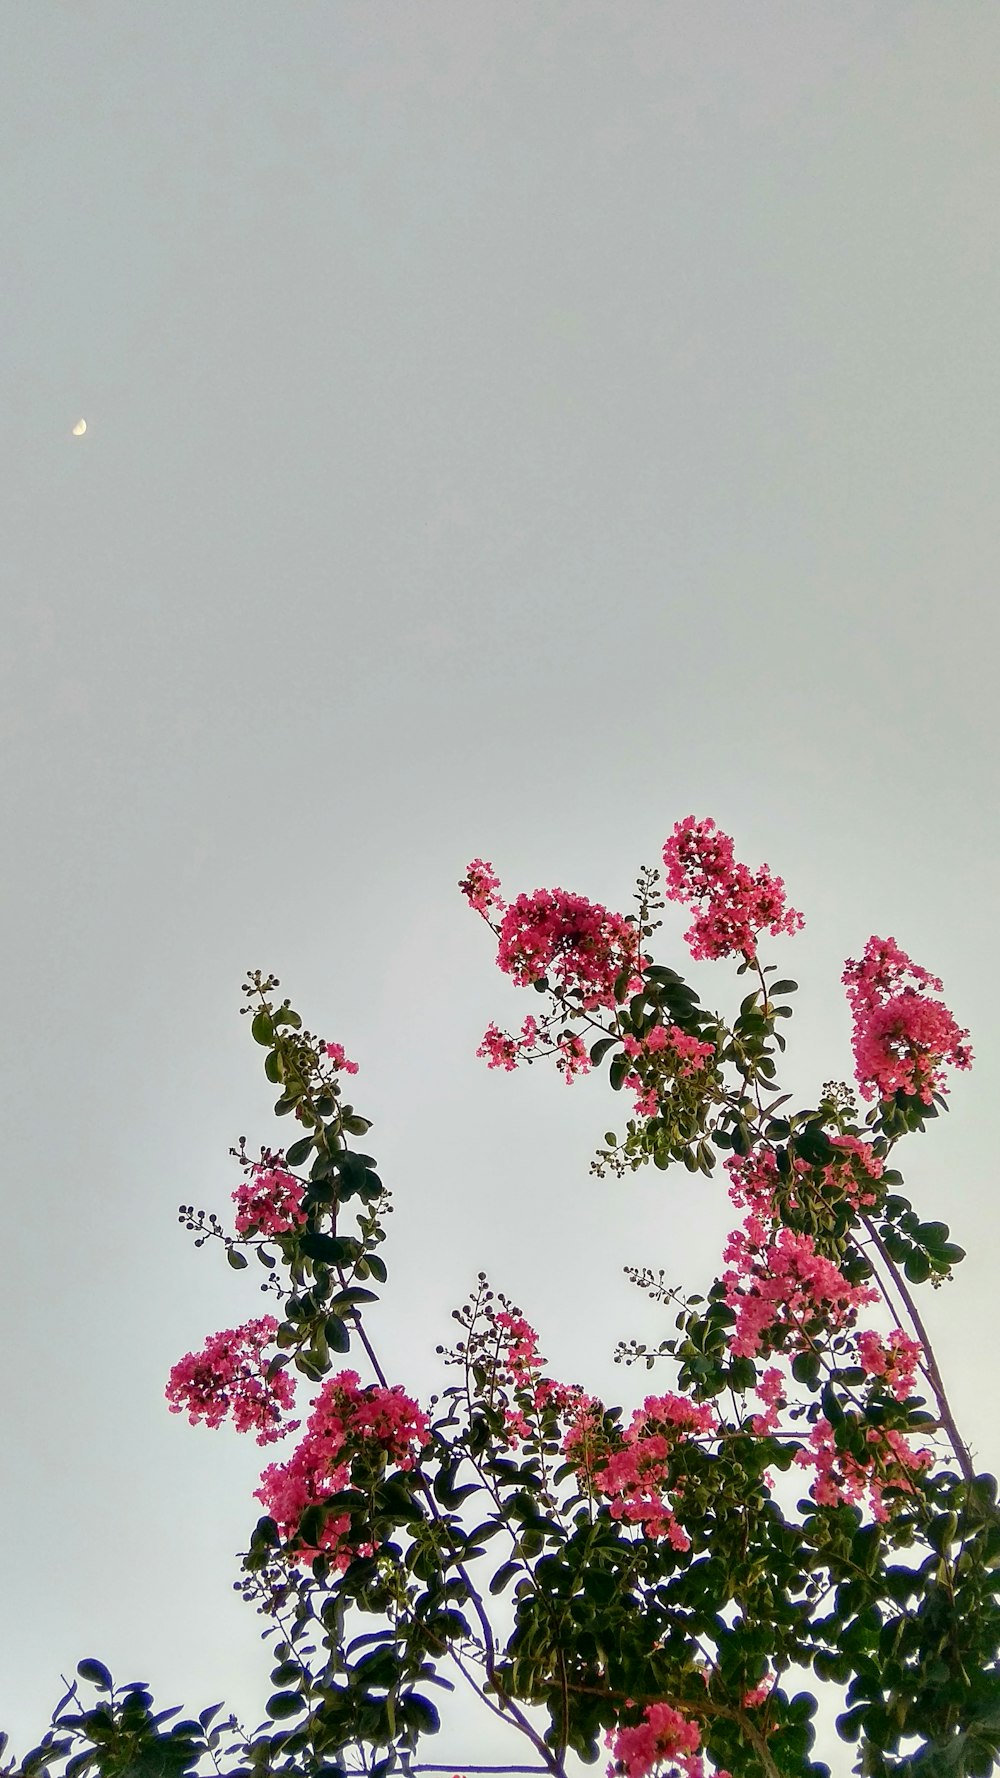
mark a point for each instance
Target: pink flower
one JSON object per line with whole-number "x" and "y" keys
{"x": 665, "y": 1054}
{"x": 498, "y": 1049}
{"x": 771, "y": 1390}
{"x": 636, "y": 1477}
{"x": 760, "y": 1693}
{"x": 854, "y": 1171}
{"x": 895, "y": 1360}
{"x": 585, "y": 1444}
{"x": 346, "y": 1421}
{"x": 738, "y": 904}
{"x": 335, "y": 1051}
{"x": 480, "y": 886}
{"x": 891, "y": 1462}
{"x": 902, "y": 1037}
{"x": 230, "y": 1376}
{"x": 782, "y": 1291}
{"x": 269, "y": 1202}
{"x": 573, "y": 1058}
{"x": 664, "y": 1738}
{"x": 580, "y": 943}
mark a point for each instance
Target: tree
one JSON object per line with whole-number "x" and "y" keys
{"x": 656, "y": 1583}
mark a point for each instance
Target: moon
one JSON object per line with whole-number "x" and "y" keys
{"x": 79, "y": 429}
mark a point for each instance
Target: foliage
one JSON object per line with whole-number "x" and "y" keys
{"x": 656, "y": 1586}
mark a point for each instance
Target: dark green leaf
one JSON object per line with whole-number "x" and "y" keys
{"x": 284, "y": 1704}
{"x": 338, "y": 1334}
{"x": 95, "y": 1671}
{"x": 236, "y": 1259}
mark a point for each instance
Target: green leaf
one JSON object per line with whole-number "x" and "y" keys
{"x": 335, "y": 1250}
{"x": 284, "y": 1704}
{"x": 299, "y": 1151}
{"x": 777, "y": 988}
{"x": 236, "y": 1259}
{"x": 504, "y": 1576}
{"x": 338, "y": 1335}
{"x": 805, "y": 1367}
{"x": 95, "y": 1671}
{"x": 262, "y": 1029}
{"x": 376, "y": 1266}
{"x": 917, "y": 1266}
{"x": 419, "y": 1711}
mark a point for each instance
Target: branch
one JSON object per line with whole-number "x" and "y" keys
{"x": 958, "y": 1444}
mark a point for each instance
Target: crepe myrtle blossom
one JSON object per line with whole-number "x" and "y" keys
{"x": 581, "y": 944}
{"x": 346, "y": 1422}
{"x": 635, "y": 1477}
{"x": 894, "y": 1360}
{"x": 855, "y": 1172}
{"x": 480, "y": 886}
{"x": 771, "y": 1390}
{"x": 572, "y": 1058}
{"x": 230, "y": 1376}
{"x": 664, "y": 1053}
{"x": 268, "y": 1201}
{"x": 499, "y": 1050}
{"x": 737, "y": 903}
{"x": 902, "y": 1036}
{"x": 781, "y": 1288}
{"x": 335, "y": 1052}
{"x": 521, "y": 1365}
{"x": 891, "y": 1462}
{"x": 663, "y": 1742}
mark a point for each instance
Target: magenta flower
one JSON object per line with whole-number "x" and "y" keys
{"x": 346, "y": 1420}
{"x": 269, "y": 1202}
{"x": 902, "y": 1037}
{"x": 583, "y": 945}
{"x": 230, "y": 1376}
{"x": 664, "y": 1739}
{"x": 737, "y": 903}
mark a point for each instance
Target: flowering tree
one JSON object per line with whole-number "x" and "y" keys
{"x": 798, "y": 1501}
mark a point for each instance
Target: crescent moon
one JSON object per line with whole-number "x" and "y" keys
{"x": 79, "y": 429}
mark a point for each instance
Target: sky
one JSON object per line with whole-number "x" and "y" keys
{"x": 510, "y": 428}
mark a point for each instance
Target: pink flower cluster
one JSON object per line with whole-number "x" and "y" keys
{"x": 855, "y": 1171}
{"x": 902, "y": 1037}
{"x": 663, "y": 1741}
{"x": 346, "y": 1420}
{"x": 580, "y": 943}
{"x": 573, "y": 1058}
{"x": 636, "y": 1477}
{"x": 481, "y": 886}
{"x": 737, "y": 903}
{"x": 585, "y": 1444}
{"x": 268, "y": 1202}
{"x": 521, "y": 1365}
{"x": 771, "y": 1390}
{"x": 665, "y": 1052}
{"x": 335, "y": 1052}
{"x": 895, "y": 1360}
{"x": 499, "y": 1050}
{"x": 781, "y": 1289}
{"x": 231, "y": 1376}
{"x": 892, "y": 1462}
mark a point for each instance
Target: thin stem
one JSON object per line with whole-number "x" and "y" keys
{"x": 958, "y": 1444}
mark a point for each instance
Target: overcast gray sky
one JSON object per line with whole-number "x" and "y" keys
{"x": 510, "y": 428}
